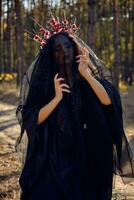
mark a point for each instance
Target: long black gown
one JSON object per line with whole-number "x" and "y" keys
{"x": 70, "y": 155}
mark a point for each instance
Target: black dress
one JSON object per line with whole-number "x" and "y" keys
{"x": 70, "y": 155}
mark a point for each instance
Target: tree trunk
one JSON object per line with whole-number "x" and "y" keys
{"x": 132, "y": 51}
{"x": 116, "y": 42}
{"x": 19, "y": 39}
{"x": 91, "y": 23}
{"x": 9, "y": 38}
{"x": 126, "y": 68}
{"x": 0, "y": 36}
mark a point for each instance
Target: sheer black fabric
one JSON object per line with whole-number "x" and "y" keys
{"x": 76, "y": 150}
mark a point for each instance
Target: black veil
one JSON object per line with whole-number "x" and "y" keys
{"x": 41, "y": 71}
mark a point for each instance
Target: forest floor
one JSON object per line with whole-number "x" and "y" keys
{"x": 9, "y": 130}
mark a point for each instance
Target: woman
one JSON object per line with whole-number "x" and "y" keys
{"x": 73, "y": 120}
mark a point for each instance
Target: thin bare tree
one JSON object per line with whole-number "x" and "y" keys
{"x": 116, "y": 43}
{"x": 21, "y": 67}
{"x": 0, "y": 35}
{"x": 127, "y": 64}
{"x": 9, "y": 38}
{"x": 91, "y": 23}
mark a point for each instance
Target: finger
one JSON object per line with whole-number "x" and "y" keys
{"x": 81, "y": 51}
{"x": 81, "y": 56}
{"x": 81, "y": 60}
{"x": 55, "y": 77}
{"x": 60, "y": 79}
{"x": 64, "y": 85}
{"x": 86, "y": 51}
{"x": 66, "y": 90}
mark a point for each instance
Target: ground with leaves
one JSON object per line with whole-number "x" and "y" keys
{"x": 9, "y": 130}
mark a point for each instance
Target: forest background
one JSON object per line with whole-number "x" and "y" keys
{"x": 107, "y": 26}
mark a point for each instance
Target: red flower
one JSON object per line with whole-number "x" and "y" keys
{"x": 73, "y": 26}
{"x": 65, "y": 29}
{"x": 42, "y": 30}
{"x": 53, "y": 20}
{"x": 55, "y": 26}
{"x": 54, "y": 23}
{"x": 47, "y": 33}
{"x": 37, "y": 38}
{"x": 58, "y": 23}
{"x": 65, "y": 22}
{"x": 42, "y": 42}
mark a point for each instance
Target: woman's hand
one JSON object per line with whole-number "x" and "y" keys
{"x": 60, "y": 87}
{"x": 83, "y": 60}
{"x": 46, "y": 110}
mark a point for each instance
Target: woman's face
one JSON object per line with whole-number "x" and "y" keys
{"x": 63, "y": 50}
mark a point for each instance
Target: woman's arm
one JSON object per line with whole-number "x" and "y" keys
{"x": 48, "y": 109}
{"x": 98, "y": 89}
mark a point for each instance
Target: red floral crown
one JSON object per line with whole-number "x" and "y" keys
{"x": 54, "y": 26}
